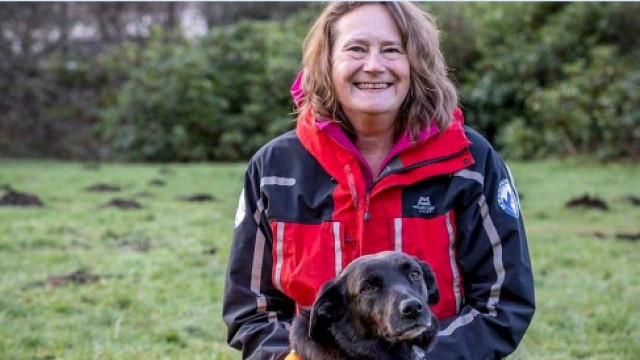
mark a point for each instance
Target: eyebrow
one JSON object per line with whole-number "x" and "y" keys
{"x": 358, "y": 40}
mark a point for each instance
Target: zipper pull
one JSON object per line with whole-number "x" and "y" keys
{"x": 366, "y": 207}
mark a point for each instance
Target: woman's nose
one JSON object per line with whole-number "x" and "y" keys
{"x": 374, "y": 63}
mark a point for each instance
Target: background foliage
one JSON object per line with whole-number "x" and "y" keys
{"x": 537, "y": 79}
{"x": 220, "y": 98}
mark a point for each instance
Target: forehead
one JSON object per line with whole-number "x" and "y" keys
{"x": 371, "y": 22}
{"x": 381, "y": 264}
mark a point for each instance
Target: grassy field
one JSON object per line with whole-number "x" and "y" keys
{"x": 162, "y": 267}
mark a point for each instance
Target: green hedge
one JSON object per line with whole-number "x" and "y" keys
{"x": 218, "y": 99}
{"x": 557, "y": 79}
{"x": 537, "y": 79}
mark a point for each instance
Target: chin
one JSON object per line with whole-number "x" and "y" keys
{"x": 376, "y": 109}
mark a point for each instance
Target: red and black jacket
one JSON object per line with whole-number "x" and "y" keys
{"x": 305, "y": 213}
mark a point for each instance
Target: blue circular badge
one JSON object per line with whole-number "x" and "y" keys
{"x": 507, "y": 199}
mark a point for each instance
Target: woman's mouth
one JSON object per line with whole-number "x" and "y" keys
{"x": 367, "y": 86}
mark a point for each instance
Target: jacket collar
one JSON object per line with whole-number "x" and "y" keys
{"x": 339, "y": 162}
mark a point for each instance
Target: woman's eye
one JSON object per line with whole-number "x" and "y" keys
{"x": 356, "y": 49}
{"x": 367, "y": 289}
{"x": 392, "y": 50}
{"x": 414, "y": 275}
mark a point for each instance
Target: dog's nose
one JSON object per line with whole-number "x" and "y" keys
{"x": 411, "y": 308}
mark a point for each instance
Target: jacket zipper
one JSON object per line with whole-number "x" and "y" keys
{"x": 420, "y": 164}
{"x": 366, "y": 205}
{"x": 367, "y": 216}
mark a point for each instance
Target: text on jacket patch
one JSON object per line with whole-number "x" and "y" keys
{"x": 424, "y": 205}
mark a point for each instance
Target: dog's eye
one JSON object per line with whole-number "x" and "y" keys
{"x": 414, "y": 275}
{"x": 368, "y": 288}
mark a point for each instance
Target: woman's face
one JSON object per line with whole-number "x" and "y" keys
{"x": 370, "y": 70}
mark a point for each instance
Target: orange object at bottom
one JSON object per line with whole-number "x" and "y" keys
{"x": 292, "y": 356}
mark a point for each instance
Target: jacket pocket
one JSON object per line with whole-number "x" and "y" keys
{"x": 305, "y": 256}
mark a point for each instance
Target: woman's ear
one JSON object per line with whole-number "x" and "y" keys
{"x": 433, "y": 295}
{"x": 328, "y": 307}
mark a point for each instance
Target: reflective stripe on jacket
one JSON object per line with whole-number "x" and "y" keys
{"x": 304, "y": 214}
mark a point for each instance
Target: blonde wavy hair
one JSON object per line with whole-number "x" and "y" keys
{"x": 431, "y": 97}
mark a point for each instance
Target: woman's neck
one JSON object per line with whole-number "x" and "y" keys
{"x": 374, "y": 136}
{"x": 374, "y": 147}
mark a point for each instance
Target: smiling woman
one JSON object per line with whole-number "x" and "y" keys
{"x": 370, "y": 68}
{"x": 380, "y": 160}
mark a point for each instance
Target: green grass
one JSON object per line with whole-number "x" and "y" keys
{"x": 166, "y": 303}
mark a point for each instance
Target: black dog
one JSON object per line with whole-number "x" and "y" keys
{"x": 378, "y": 308}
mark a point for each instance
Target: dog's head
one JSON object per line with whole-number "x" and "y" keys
{"x": 386, "y": 296}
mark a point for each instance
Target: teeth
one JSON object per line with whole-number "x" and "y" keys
{"x": 373, "y": 86}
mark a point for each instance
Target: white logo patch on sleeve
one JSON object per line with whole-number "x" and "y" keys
{"x": 240, "y": 213}
{"x": 507, "y": 199}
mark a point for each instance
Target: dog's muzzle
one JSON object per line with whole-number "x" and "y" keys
{"x": 412, "y": 320}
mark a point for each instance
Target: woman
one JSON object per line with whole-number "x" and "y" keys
{"x": 380, "y": 160}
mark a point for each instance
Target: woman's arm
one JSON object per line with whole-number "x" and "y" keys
{"x": 493, "y": 255}
{"x": 257, "y": 315}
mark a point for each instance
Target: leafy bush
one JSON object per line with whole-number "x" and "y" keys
{"x": 594, "y": 110}
{"x": 220, "y": 98}
{"x": 565, "y": 83}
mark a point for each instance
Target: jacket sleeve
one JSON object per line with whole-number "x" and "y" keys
{"x": 498, "y": 304}
{"x": 257, "y": 315}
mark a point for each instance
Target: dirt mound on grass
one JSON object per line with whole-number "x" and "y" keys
{"x": 618, "y": 236}
{"x": 76, "y": 277}
{"x": 122, "y": 204}
{"x": 588, "y": 202}
{"x": 197, "y": 197}
{"x": 15, "y": 198}
{"x": 633, "y": 199}
{"x": 102, "y": 187}
{"x": 211, "y": 251}
{"x": 628, "y": 237}
{"x": 157, "y": 182}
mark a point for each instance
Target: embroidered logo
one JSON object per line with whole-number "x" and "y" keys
{"x": 424, "y": 205}
{"x": 507, "y": 199}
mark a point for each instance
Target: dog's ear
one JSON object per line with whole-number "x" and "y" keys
{"x": 429, "y": 280}
{"x": 328, "y": 307}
